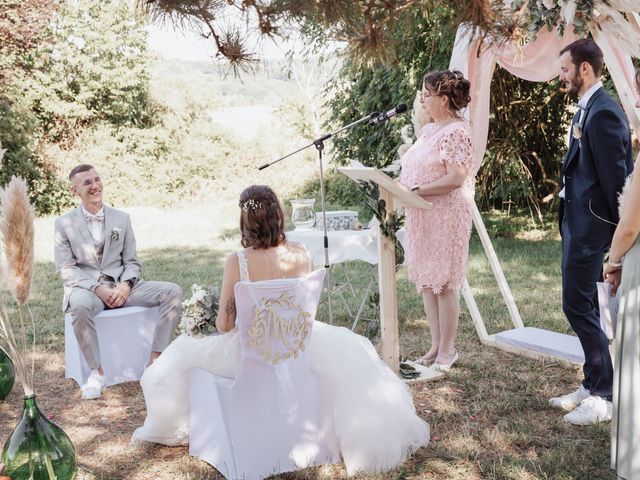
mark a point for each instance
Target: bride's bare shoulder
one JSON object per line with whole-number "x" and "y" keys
{"x": 296, "y": 247}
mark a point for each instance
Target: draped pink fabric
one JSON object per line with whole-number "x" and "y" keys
{"x": 536, "y": 61}
{"x": 628, "y": 84}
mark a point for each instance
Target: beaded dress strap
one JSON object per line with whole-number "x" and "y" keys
{"x": 244, "y": 266}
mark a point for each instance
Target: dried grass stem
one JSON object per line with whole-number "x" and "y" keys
{"x": 17, "y": 233}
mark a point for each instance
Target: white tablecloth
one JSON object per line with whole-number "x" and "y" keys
{"x": 344, "y": 245}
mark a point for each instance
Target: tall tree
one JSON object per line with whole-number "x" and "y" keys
{"x": 390, "y": 45}
{"x": 23, "y": 26}
{"x": 82, "y": 63}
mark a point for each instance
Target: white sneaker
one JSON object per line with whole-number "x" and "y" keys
{"x": 570, "y": 401}
{"x": 93, "y": 388}
{"x": 591, "y": 410}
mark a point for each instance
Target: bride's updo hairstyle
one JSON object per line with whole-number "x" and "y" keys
{"x": 261, "y": 218}
{"x": 452, "y": 84}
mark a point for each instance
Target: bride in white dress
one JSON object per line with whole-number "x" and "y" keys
{"x": 375, "y": 419}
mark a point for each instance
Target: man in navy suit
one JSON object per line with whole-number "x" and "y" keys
{"x": 594, "y": 171}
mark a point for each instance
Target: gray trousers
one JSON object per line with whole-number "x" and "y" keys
{"x": 84, "y": 305}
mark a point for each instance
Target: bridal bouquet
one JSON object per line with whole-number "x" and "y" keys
{"x": 199, "y": 312}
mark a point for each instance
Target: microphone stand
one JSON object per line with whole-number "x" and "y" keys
{"x": 319, "y": 144}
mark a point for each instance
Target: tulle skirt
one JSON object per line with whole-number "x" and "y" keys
{"x": 371, "y": 409}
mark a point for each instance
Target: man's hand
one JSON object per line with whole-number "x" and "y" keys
{"x": 613, "y": 278}
{"x": 104, "y": 293}
{"x": 120, "y": 294}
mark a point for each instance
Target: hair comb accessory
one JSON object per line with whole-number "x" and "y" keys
{"x": 251, "y": 204}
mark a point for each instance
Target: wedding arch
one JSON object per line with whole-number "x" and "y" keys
{"x": 615, "y": 27}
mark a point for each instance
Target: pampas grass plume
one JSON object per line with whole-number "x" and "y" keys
{"x": 16, "y": 229}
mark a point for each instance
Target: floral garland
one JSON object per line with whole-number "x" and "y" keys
{"x": 608, "y": 16}
{"x": 556, "y": 13}
{"x": 390, "y": 222}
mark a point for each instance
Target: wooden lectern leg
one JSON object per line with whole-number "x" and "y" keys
{"x": 388, "y": 189}
{"x": 388, "y": 294}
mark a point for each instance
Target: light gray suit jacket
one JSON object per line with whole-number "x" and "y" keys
{"x": 76, "y": 257}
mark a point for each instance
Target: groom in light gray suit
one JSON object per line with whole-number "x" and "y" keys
{"x": 95, "y": 255}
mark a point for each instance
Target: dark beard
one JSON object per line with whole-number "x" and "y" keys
{"x": 577, "y": 84}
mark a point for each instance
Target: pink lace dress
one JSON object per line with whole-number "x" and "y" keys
{"x": 437, "y": 239}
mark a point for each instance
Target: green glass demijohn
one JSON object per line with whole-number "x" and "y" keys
{"x": 7, "y": 375}
{"x": 37, "y": 449}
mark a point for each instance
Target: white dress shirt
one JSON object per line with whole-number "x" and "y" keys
{"x": 95, "y": 224}
{"x": 586, "y": 96}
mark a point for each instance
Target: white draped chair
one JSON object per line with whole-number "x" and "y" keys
{"x": 125, "y": 336}
{"x": 269, "y": 419}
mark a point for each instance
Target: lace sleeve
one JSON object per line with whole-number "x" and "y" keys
{"x": 456, "y": 148}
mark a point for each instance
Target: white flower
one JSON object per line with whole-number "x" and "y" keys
{"x": 568, "y": 11}
{"x": 577, "y": 132}
{"x": 199, "y": 311}
{"x": 406, "y": 133}
{"x": 549, "y": 4}
{"x": 115, "y": 233}
{"x": 198, "y": 297}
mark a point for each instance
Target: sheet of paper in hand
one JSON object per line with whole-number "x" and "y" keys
{"x": 608, "y": 309}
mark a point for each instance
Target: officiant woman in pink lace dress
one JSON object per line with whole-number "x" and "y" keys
{"x": 438, "y": 166}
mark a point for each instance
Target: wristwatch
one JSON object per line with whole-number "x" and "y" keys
{"x": 131, "y": 282}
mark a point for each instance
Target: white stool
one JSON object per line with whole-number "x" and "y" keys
{"x": 125, "y": 336}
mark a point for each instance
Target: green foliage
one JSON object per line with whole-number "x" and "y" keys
{"x": 23, "y": 26}
{"x": 390, "y": 222}
{"x": 548, "y": 15}
{"x": 17, "y": 124}
{"x": 94, "y": 69}
{"x": 526, "y": 145}
{"x": 424, "y": 41}
{"x": 527, "y": 124}
{"x": 89, "y": 67}
{"x": 208, "y": 139}
{"x": 340, "y": 193}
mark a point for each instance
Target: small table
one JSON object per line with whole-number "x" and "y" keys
{"x": 344, "y": 245}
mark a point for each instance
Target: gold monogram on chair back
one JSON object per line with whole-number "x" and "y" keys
{"x": 274, "y": 337}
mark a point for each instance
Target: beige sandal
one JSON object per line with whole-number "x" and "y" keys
{"x": 426, "y": 361}
{"x": 445, "y": 367}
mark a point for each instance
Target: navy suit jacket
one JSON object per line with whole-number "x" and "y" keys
{"x": 594, "y": 172}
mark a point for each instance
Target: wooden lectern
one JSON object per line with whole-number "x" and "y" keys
{"x": 390, "y": 191}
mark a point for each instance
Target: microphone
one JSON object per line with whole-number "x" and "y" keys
{"x": 377, "y": 117}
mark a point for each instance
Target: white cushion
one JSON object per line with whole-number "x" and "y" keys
{"x": 125, "y": 336}
{"x": 543, "y": 341}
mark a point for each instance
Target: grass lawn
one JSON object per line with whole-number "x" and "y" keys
{"x": 489, "y": 417}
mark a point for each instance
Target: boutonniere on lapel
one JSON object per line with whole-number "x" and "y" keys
{"x": 115, "y": 234}
{"x": 577, "y": 131}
